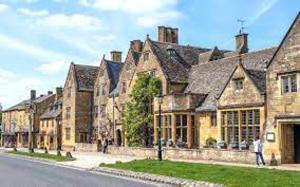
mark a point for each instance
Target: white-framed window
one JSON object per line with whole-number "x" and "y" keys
{"x": 288, "y": 83}
{"x": 238, "y": 84}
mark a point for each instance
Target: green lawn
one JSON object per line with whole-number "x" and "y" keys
{"x": 42, "y": 155}
{"x": 228, "y": 175}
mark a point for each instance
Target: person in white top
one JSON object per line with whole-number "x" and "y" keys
{"x": 258, "y": 151}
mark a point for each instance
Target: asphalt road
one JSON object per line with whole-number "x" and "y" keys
{"x": 15, "y": 172}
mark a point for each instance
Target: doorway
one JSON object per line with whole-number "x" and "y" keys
{"x": 290, "y": 143}
{"x": 297, "y": 143}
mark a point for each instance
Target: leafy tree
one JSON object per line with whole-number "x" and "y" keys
{"x": 137, "y": 121}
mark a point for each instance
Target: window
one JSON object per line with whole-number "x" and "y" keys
{"x": 213, "y": 119}
{"x": 166, "y": 127}
{"x": 83, "y": 137}
{"x": 103, "y": 110}
{"x": 146, "y": 56}
{"x": 96, "y": 111}
{"x": 289, "y": 83}
{"x": 68, "y": 133}
{"x": 124, "y": 87}
{"x": 68, "y": 113}
{"x": 244, "y": 124}
{"x": 51, "y": 140}
{"x": 181, "y": 128}
{"x": 238, "y": 84}
{"x": 69, "y": 91}
{"x": 152, "y": 73}
{"x": 97, "y": 91}
{"x": 103, "y": 91}
{"x": 194, "y": 132}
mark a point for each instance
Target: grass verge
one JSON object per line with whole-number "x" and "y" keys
{"x": 42, "y": 155}
{"x": 230, "y": 176}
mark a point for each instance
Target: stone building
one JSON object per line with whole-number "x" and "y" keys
{"x": 78, "y": 105}
{"x": 105, "y": 112}
{"x": 51, "y": 124}
{"x": 16, "y": 120}
{"x": 283, "y": 104}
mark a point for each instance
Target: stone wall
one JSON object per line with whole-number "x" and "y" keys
{"x": 190, "y": 154}
{"x": 86, "y": 147}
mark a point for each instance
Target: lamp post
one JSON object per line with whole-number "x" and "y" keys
{"x": 159, "y": 99}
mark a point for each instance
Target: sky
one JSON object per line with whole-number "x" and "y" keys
{"x": 39, "y": 38}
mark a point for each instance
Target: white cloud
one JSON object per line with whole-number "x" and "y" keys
{"x": 15, "y": 87}
{"x": 134, "y": 6}
{"x": 53, "y": 67}
{"x": 147, "y": 12}
{"x": 264, "y": 7}
{"x": 3, "y": 7}
{"x": 29, "y": 49}
{"x": 33, "y": 13}
{"x": 158, "y": 18}
{"x": 71, "y": 21}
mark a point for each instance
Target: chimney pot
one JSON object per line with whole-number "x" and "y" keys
{"x": 116, "y": 56}
{"x": 167, "y": 34}
{"x": 241, "y": 42}
{"x": 32, "y": 94}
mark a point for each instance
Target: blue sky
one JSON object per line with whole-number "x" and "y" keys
{"x": 39, "y": 38}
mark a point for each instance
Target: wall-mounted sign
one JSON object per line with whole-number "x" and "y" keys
{"x": 270, "y": 136}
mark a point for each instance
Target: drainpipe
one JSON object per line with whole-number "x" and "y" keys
{"x": 114, "y": 121}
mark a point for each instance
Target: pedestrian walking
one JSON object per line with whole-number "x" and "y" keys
{"x": 106, "y": 145}
{"x": 103, "y": 146}
{"x": 258, "y": 151}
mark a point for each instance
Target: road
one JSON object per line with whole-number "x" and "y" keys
{"x": 15, "y": 172}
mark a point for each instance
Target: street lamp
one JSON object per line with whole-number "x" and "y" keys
{"x": 159, "y": 100}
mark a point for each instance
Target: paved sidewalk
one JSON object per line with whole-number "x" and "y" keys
{"x": 85, "y": 160}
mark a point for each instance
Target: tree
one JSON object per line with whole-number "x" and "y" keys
{"x": 137, "y": 121}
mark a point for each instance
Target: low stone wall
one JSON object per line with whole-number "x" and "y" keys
{"x": 85, "y": 147}
{"x": 189, "y": 154}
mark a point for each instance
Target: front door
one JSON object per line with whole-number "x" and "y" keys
{"x": 287, "y": 146}
{"x": 297, "y": 143}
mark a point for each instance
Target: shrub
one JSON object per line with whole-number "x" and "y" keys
{"x": 211, "y": 142}
{"x": 15, "y": 149}
{"x": 118, "y": 162}
{"x": 46, "y": 151}
{"x": 101, "y": 164}
{"x": 58, "y": 153}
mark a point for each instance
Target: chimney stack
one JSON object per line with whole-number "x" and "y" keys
{"x": 32, "y": 95}
{"x": 116, "y": 56}
{"x": 59, "y": 92}
{"x": 136, "y": 45}
{"x": 167, "y": 34}
{"x": 241, "y": 43}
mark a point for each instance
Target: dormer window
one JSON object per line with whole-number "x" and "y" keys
{"x": 289, "y": 83}
{"x": 170, "y": 50}
{"x": 146, "y": 56}
{"x": 238, "y": 84}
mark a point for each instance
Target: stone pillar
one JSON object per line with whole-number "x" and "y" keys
{"x": 173, "y": 129}
{"x": 155, "y": 128}
{"x": 189, "y": 131}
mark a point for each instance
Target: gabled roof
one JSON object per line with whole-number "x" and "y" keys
{"x": 85, "y": 76}
{"x": 177, "y": 65}
{"x": 284, "y": 38}
{"x": 258, "y": 78}
{"x": 113, "y": 70}
{"x": 54, "y": 110}
{"x": 22, "y": 105}
{"x": 211, "y": 77}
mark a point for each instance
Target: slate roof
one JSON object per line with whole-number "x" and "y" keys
{"x": 113, "y": 69}
{"x": 85, "y": 76}
{"x": 259, "y": 79}
{"x": 211, "y": 77}
{"x": 177, "y": 65}
{"x": 53, "y": 110}
{"x": 22, "y": 105}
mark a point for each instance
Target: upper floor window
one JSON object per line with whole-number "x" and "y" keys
{"x": 152, "y": 73}
{"x": 146, "y": 56}
{"x": 124, "y": 87}
{"x": 69, "y": 91}
{"x": 103, "y": 91}
{"x": 238, "y": 84}
{"x": 289, "y": 83}
{"x": 97, "y": 92}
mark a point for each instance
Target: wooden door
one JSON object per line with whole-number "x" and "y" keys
{"x": 287, "y": 139}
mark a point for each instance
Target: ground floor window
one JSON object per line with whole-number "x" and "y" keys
{"x": 181, "y": 129}
{"x": 167, "y": 127}
{"x": 240, "y": 126}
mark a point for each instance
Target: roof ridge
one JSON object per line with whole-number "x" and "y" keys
{"x": 181, "y": 45}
